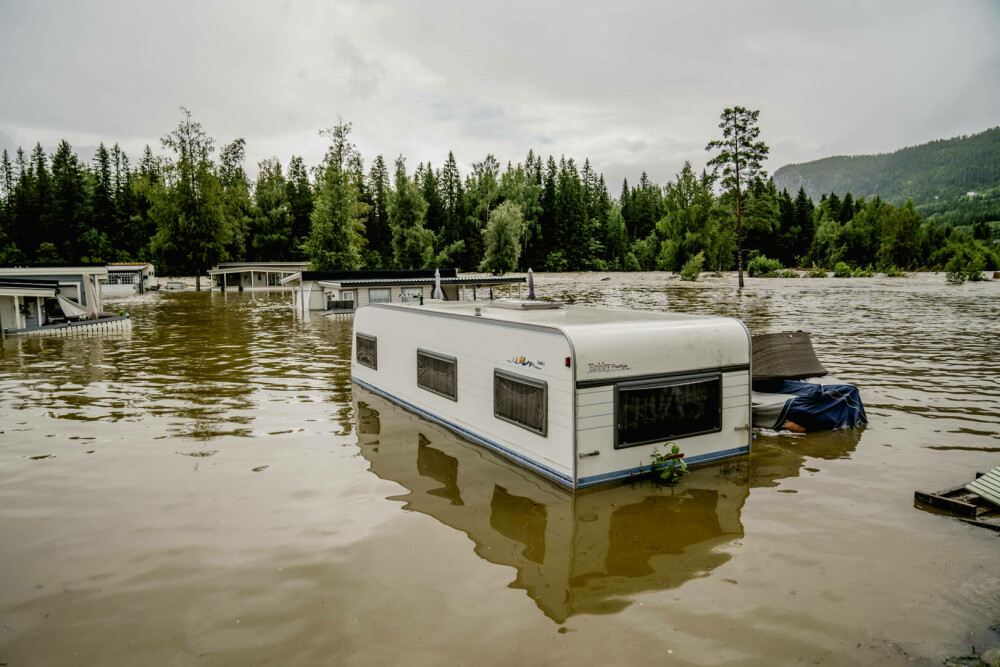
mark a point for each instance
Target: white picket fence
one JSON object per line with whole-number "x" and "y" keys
{"x": 116, "y": 324}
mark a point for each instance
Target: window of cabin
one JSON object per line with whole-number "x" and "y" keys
{"x": 366, "y": 350}
{"x": 437, "y": 374}
{"x": 412, "y": 294}
{"x": 658, "y": 411}
{"x": 380, "y": 295}
{"x": 522, "y": 401}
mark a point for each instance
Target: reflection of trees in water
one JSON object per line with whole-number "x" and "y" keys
{"x": 582, "y": 553}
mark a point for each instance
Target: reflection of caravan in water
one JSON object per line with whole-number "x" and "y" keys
{"x": 580, "y": 395}
{"x": 585, "y": 552}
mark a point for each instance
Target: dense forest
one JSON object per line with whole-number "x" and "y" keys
{"x": 189, "y": 207}
{"x": 957, "y": 179}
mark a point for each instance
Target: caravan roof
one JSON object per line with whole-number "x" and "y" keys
{"x": 610, "y": 342}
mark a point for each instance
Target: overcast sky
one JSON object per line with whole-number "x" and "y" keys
{"x": 634, "y": 86}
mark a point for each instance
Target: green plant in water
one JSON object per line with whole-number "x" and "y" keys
{"x": 842, "y": 270}
{"x": 762, "y": 266}
{"x": 864, "y": 273}
{"x": 817, "y": 272}
{"x": 965, "y": 265}
{"x": 692, "y": 267}
{"x": 668, "y": 468}
{"x": 894, "y": 272}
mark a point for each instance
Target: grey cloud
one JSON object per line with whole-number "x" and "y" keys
{"x": 634, "y": 86}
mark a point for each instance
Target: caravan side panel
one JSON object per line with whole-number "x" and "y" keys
{"x": 596, "y": 421}
{"x": 481, "y": 347}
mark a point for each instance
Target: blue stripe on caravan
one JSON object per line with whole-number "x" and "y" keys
{"x": 541, "y": 469}
{"x": 690, "y": 460}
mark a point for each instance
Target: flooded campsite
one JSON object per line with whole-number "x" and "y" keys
{"x": 209, "y": 488}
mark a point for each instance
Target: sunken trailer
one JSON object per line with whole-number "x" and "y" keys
{"x": 580, "y": 395}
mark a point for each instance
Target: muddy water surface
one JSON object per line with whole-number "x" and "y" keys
{"x": 209, "y": 490}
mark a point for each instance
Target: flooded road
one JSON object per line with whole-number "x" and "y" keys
{"x": 210, "y": 490}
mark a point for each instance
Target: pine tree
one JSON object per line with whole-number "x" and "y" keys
{"x": 547, "y": 217}
{"x": 235, "y": 198}
{"x": 379, "y": 233}
{"x": 70, "y": 205}
{"x": 187, "y": 205}
{"x": 269, "y": 230}
{"x": 299, "y": 194}
{"x": 739, "y": 160}
{"x": 336, "y": 239}
{"x": 452, "y": 199}
{"x": 805, "y": 223}
{"x": 431, "y": 193}
{"x": 102, "y": 207}
{"x": 37, "y": 212}
{"x": 412, "y": 245}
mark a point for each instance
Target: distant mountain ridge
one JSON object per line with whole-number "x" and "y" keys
{"x": 942, "y": 169}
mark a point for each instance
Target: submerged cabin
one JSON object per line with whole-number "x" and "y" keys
{"x": 253, "y": 275}
{"x": 348, "y": 290}
{"x": 128, "y": 279}
{"x": 580, "y": 395}
{"x": 51, "y": 299}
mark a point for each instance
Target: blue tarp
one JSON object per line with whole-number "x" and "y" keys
{"x": 819, "y": 407}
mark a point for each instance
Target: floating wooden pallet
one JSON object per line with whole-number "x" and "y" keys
{"x": 964, "y": 504}
{"x": 987, "y": 486}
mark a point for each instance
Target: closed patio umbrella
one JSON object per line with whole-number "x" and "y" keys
{"x": 531, "y": 285}
{"x": 437, "y": 293}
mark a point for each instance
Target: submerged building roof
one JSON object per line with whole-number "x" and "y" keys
{"x": 28, "y": 286}
{"x": 395, "y": 275}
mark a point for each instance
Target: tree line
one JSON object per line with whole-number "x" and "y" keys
{"x": 187, "y": 208}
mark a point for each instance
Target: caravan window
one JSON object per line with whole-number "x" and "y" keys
{"x": 381, "y": 295}
{"x": 658, "y": 411}
{"x": 366, "y": 350}
{"x": 437, "y": 374}
{"x": 522, "y": 401}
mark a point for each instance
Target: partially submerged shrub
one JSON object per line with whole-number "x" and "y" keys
{"x": 894, "y": 272}
{"x": 692, "y": 267}
{"x": 868, "y": 272}
{"x": 817, "y": 272}
{"x": 843, "y": 270}
{"x": 762, "y": 266}
{"x": 963, "y": 266}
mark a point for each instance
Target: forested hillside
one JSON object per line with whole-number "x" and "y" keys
{"x": 937, "y": 175}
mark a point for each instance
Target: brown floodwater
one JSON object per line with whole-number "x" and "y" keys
{"x": 211, "y": 490}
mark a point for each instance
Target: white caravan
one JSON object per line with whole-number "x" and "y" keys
{"x": 578, "y": 394}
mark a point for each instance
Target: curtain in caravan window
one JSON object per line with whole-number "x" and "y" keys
{"x": 655, "y": 412}
{"x": 522, "y": 401}
{"x": 438, "y": 374}
{"x": 366, "y": 350}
